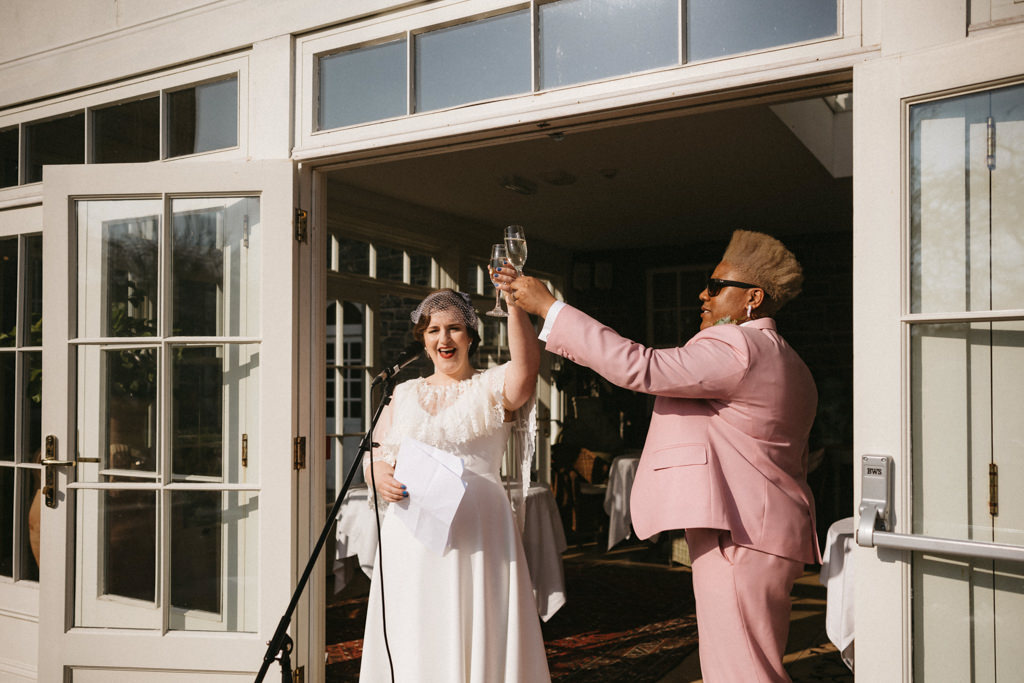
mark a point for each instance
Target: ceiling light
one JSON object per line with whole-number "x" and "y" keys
{"x": 517, "y": 184}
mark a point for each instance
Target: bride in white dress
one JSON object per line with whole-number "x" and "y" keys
{"x": 469, "y": 614}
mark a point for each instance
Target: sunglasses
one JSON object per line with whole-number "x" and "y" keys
{"x": 715, "y": 285}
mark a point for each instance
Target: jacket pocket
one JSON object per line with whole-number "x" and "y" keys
{"x": 678, "y": 455}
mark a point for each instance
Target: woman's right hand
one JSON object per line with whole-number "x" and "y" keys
{"x": 388, "y": 488}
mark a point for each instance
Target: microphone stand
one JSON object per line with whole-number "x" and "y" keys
{"x": 280, "y": 646}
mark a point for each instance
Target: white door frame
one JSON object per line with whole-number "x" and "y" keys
{"x": 123, "y": 654}
{"x": 884, "y": 89}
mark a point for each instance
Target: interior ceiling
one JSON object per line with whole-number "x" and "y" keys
{"x": 679, "y": 180}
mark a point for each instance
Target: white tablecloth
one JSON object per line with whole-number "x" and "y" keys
{"x": 543, "y": 544}
{"x": 837, "y": 577}
{"x": 616, "y": 498}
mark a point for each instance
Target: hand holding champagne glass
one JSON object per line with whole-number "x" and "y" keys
{"x": 499, "y": 256}
{"x": 515, "y": 246}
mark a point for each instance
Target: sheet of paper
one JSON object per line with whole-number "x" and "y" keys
{"x": 434, "y": 481}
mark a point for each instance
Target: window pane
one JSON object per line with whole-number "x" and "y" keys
{"x": 586, "y": 40}
{"x": 7, "y": 521}
{"x": 214, "y": 560}
{"x": 116, "y": 551}
{"x": 198, "y": 398}
{"x": 390, "y": 264}
{"x": 127, "y": 133}
{"x": 214, "y": 410}
{"x": 8, "y": 157}
{"x": 9, "y": 291}
{"x": 31, "y": 406}
{"x": 33, "y": 284}
{"x": 117, "y": 267}
{"x": 419, "y": 269}
{"x": 8, "y": 396}
{"x": 215, "y": 266}
{"x": 129, "y": 558}
{"x": 475, "y": 61}
{"x": 363, "y": 85}
{"x": 715, "y": 28}
{"x": 130, "y": 393}
{"x": 60, "y": 141}
{"x": 471, "y": 283}
{"x": 966, "y": 242}
{"x": 31, "y": 503}
{"x": 353, "y": 256}
{"x": 203, "y": 118}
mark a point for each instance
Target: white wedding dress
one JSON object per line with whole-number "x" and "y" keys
{"x": 469, "y": 615}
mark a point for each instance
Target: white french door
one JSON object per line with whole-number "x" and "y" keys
{"x": 939, "y": 356}
{"x": 167, "y": 419}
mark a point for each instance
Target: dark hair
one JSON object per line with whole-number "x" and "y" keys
{"x": 421, "y": 326}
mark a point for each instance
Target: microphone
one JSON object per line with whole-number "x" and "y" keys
{"x": 408, "y": 355}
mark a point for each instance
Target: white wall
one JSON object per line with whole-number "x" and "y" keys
{"x": 53, "y": 46}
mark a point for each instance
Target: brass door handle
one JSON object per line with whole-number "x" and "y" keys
{"x": 50, "y": 463}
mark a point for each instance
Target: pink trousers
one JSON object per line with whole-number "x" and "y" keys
{"x": 743, "y": 607}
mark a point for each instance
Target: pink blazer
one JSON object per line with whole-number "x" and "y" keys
{"x": 727, "y": 444}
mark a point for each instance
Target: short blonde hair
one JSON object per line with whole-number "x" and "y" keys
{"x": 767, "y": 263}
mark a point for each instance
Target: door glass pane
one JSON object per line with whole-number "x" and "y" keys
{"x": 216, "y": 266}
{"x": 116, "y": 412}
{"x": 8, "y": 398}
{"x": 214, "y": 405}
{"x": 214, "y": 561}
{"x": 715, "y": 28}
{"x": 475, "y": 61}
{"x": 58, "y": 141}
{"x": 31, "y": 505}
{"x": 130, "y": 393}
{"x": 366, "y": 84}
{"x": 127, "y": 133}
{"x": 33, "y": 287}
{"x": 967, "y": 393}
{"x": 116, "y": 559}
{"x": 9, "y": 157}
{"x": 203, "y": 118}
{"x": 586, "y": 40}
{"x": 117, "y": 267}
{"x": 9, "y": 291}
{"x": 966, "y": 206}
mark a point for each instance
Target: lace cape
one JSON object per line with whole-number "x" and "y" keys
{"x": 453, "y": 414}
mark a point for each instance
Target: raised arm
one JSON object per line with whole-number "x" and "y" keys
{"x": 524, "y": 350}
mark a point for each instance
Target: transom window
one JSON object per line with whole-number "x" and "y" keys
{"x": 545, "y": 44}
{"x": 197, "y": 118}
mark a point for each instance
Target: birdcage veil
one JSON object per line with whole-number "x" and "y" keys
{"x": 447, "y": 299}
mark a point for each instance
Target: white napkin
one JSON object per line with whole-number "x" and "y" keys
{"x": 433, "y": 479}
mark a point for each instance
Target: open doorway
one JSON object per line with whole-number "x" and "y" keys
{"x": 628, "y": 220}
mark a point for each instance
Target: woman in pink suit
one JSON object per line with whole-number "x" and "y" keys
{"x": 726, "y": 452}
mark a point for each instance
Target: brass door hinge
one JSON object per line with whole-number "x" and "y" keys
{"x": 299, "y": 675}
{"x": 299, "y": 453}
{"x": 990, "y": 143}
{"x": 301, "y": 225}
{"x": 993, "y": 489}
{"x": 245, "y": 450}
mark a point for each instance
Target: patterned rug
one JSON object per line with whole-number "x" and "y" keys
{"x": 622, "y": 622}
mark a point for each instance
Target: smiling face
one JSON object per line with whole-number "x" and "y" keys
{"x": 447, "y": 342}
{"x": 730, "y": 302}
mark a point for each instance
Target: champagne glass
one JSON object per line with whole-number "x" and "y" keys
{"x": 498, "y": 257}
{"x": 515, "y": 245}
